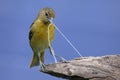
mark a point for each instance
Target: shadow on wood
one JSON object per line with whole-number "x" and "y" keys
{"x": 87, "y": 68}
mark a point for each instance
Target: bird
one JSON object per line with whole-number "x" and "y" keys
{"x": 38, "y": 36}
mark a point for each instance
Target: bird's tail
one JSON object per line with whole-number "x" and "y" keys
{"x": 35, "y": 61}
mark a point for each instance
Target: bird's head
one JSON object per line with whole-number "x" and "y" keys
{"x": 46, "y": 15}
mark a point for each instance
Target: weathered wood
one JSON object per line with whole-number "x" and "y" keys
{"x": 87, "y": 68}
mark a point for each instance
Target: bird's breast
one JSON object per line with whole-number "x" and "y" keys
{"x": 40, "y": 37}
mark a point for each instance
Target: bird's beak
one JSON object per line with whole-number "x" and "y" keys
{"x": 51, "y": 20}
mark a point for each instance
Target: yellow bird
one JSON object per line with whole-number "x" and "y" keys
{"x": 38, "y": 36}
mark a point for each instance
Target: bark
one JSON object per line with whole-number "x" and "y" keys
{"x": 87, "y": 68}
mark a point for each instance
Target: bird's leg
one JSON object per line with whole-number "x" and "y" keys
{"x": 41, "y": 65}
{"x": 52, "y": 53}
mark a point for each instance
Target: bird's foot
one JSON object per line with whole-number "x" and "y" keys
{"x": 63, "y": 60}
{"x": 42, "y": 67}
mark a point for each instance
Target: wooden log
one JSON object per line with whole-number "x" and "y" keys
{"x": 87, "y": 68}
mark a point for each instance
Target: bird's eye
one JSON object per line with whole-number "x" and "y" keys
{"x": 46, "y": 14}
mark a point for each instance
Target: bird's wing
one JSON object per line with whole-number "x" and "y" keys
{"x": 31, "y": 32}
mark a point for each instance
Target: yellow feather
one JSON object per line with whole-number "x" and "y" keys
{"x": 39, "y": 39}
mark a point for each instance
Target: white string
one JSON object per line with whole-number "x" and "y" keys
{"x": 49, "y": 35}
{"x": 51, "y": 49}
{"x": 68, "y": 41}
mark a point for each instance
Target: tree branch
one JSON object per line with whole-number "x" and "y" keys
{"x": 87, "y": 68}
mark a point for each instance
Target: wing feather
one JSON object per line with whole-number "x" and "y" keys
{"x": 31, "y": 32}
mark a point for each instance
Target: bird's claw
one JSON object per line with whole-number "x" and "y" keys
{"x": 42, "y": 67}
{"x": 63, "y": 60}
